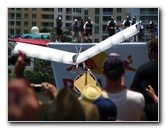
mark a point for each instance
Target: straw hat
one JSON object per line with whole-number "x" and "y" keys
{"x": 90, "y": 93}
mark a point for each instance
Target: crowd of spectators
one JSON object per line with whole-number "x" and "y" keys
{"x": 114, "y": 103}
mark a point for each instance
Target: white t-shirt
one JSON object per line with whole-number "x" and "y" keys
{"x": 130, "y": 105}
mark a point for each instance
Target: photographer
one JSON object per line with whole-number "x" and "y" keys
{"x": 152, "y": 29}
{"x": 59, "y": 24}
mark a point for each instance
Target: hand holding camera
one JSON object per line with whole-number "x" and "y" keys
{"x": 20, "y": 61}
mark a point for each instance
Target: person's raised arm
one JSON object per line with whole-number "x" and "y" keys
{"x": 152, "y": 93}
{"x": 20, "y": 65}
{"x": 50, "y": 90}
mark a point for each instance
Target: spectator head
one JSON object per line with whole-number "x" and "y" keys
{"x": 112, "y": 18}
{"x": 151, "y": 22}
{"x": 134, "y": 17}
{"x": 59, "y": 18}
{"x": 75, "y": 20}
{"x": 91, "y": 111}
{"x": 66, "y": 107}
{"x": 107, "y": 109}
{"x": 153, "y": 45}
{"x": 113, "y": 67}
{"x": 89, "y": 19}
{"x": 127, "y": 17}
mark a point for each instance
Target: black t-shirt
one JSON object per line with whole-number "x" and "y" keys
{"x": 59, "y": 23}
{"x": 146, "y": 72}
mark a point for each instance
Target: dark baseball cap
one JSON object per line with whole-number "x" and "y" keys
{"x": 107, "y": 109}
{"x": 113, "y": 66}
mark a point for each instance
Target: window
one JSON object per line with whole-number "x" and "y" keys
{"x": 18, "y": 23}
{"x": 85, "y": 12}
{"x": 153, "y": 11}
{"x": 18, "y": 32}
{"x": 107, "y": 11}
{"x": 47, "y": 24}
{"x": 25, "y": 15}
{"x": 68, "y": 25}
{"x": 25, "y": 23}
{"x": 118, "y": 18}
{"x": 103, "y": 30}
{"x": 12, "y": 23}
{"x": 26, "y": 9}
{"x": 18, "y": 9}
{"x": 68, "y": 10}
{"x": 148, "y": 10}
{"x": 12, "y": 31}
{"x": 33, "y": 16}
{"x": 96, "y": 40}
{"x": 96, "y": 11}
{"x": 47, "y": 17}
{"x": 106, "y": 18}
{"x": 153, "y": 18}
{"x": 33, "y": 23}
{"x": 60, "y": 9}
{"x": 96, "y": 29}
{"x": 48, "y": 9}
{"x": 25, "y": 31}
{"x": 18, "y": 15}
{"x": 68, "y": 18}
{"x": 12, "y": 15}
{"x": 77, "y": 10}
{"x": 96, "y": 19}
{"x": 119, "y": 10}
{"x": 85, "y": 18}
{"x": 12, "y": 8}
{"x": 104, "y": 26}
{"x": 34, "y": 9}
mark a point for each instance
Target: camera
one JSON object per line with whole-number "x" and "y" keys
{"x": 38, "y": 87}
{"x": 13, "y": 59}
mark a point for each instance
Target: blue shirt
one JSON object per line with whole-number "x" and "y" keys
{"x": 156, "y": 33}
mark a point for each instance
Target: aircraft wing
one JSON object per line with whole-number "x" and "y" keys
{"x": 45, "y": 53}
{"x": 76, "y": 58}
{"x": 109, "y": 42}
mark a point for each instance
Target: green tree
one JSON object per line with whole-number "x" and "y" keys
{"x": 42, "y": 72}
{"x": 10, "y": 74}
{"x": 44, "y": 30}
